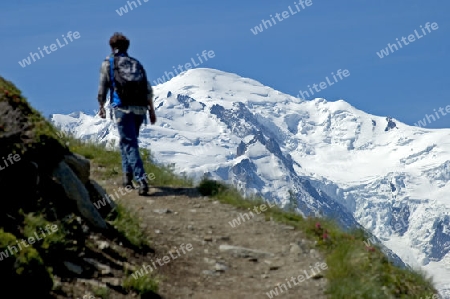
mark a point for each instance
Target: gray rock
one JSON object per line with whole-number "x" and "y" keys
{"x": 274, "y": 264}
{"x": 295, "y": 249}
{"x": 209, "y": 272}
{"x": 162, "y": 211}
{"x": 244, "y": 252}
{"x": 130, "y": 267}
{"x": 288, "y": 227}
{"x": 102, "y": 245}
{"x": 102, "y": 196}
{"x": 76, "y": 191}
{"x": 220, "y": 267}
{"x": 73, "y": 268}
{"x": 92, "y": 282}
{"x": 209, "y": 261}
{"x": 57, "y": 285}
{"x": 112, "y": 281}
{"x": 103, "y": 269}
{"x": 80, "y": 166}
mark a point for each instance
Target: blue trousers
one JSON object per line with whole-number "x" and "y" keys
{"x": 129, "y": 125}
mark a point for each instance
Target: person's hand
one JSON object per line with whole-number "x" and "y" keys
{"x": 102, "y": 112}
{"x": 152, "y": 116}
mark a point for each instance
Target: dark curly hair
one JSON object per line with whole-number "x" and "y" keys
{"x": 120, "y": 42}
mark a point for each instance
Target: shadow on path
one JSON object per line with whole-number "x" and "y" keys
{"x": 151, "y": 295}
{"x": 175, "y": 191}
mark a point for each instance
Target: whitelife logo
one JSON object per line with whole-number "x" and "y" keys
{"x": 281, "y": 17}
{"x": 53, "y": 47}
{"x": 323, "y": 85}
{"x": 423, "y": 122}
{"x": 301, "y": 278}
{"x": 30, "y": 241}
{"x": 237, "y": 221}
{"x": 166, "y": 259}
{"x": 411, "y": 38}
{"x": 10, "y": 158}
{"x": 169, "y": 75}
{"x": 124, "y": 9}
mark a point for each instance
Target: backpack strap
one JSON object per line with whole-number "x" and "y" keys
{"x": 112, "y": 86}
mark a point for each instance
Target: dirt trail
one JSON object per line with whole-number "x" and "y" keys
{"x": 212, "y": 270}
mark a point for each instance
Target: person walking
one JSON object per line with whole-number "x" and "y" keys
{"x": 131, "y": 96}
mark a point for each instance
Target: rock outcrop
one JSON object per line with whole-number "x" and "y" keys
{"x": 43, "y": 185}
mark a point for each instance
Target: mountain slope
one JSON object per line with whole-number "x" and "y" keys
{"x": 338, "y": 161}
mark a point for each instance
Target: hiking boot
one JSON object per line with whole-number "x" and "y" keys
{"x": 128, "y": 180}
{"x": 143, "y": 187}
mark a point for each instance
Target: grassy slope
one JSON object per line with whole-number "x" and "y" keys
{"x": 355, "y": 270}
{"x": 24, "y": 131}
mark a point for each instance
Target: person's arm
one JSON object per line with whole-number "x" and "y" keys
{"x": 103, "y": 88}
{"x": 151, "y": 107}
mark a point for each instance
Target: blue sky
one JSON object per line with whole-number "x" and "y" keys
{"x": 296, "y": 52}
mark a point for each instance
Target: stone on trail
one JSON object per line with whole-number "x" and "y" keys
{"x": 244, "y": 252}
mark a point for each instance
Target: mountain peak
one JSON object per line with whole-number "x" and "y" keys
{"x": 207, "y": 84}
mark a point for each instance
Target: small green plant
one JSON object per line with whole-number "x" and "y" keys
{"x": 102, "y": 292}
{"x": 52, "y": 235}
{"x": 292, "y": 204}
{"x": 22, "y": 265}
{"x": 210, "y": 187}
{"x": 141, "y": 285}
{"x": 128, "y": 226}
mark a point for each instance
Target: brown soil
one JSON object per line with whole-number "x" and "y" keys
{"x": 205, "y": 271}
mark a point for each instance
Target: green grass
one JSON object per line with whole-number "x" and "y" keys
{"x": 23, "y": 266}
{"x": 22, "y": 257}
{"x": 110, "y": 162}
{"x": 101, "y": 292}
{"x": 26, "y": 132}
{"x": 354, "y": 270}
{"x": 142, "y": 285}
{"x": 53, "y": 235}
{"x": 127, "y": 225}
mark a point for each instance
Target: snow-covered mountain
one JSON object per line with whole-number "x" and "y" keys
{"x": 341, "y": 162}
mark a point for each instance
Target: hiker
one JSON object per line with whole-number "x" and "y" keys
{"x": 131, "y": 96}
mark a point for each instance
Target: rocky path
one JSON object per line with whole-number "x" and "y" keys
{"x": 201, "y": 256}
